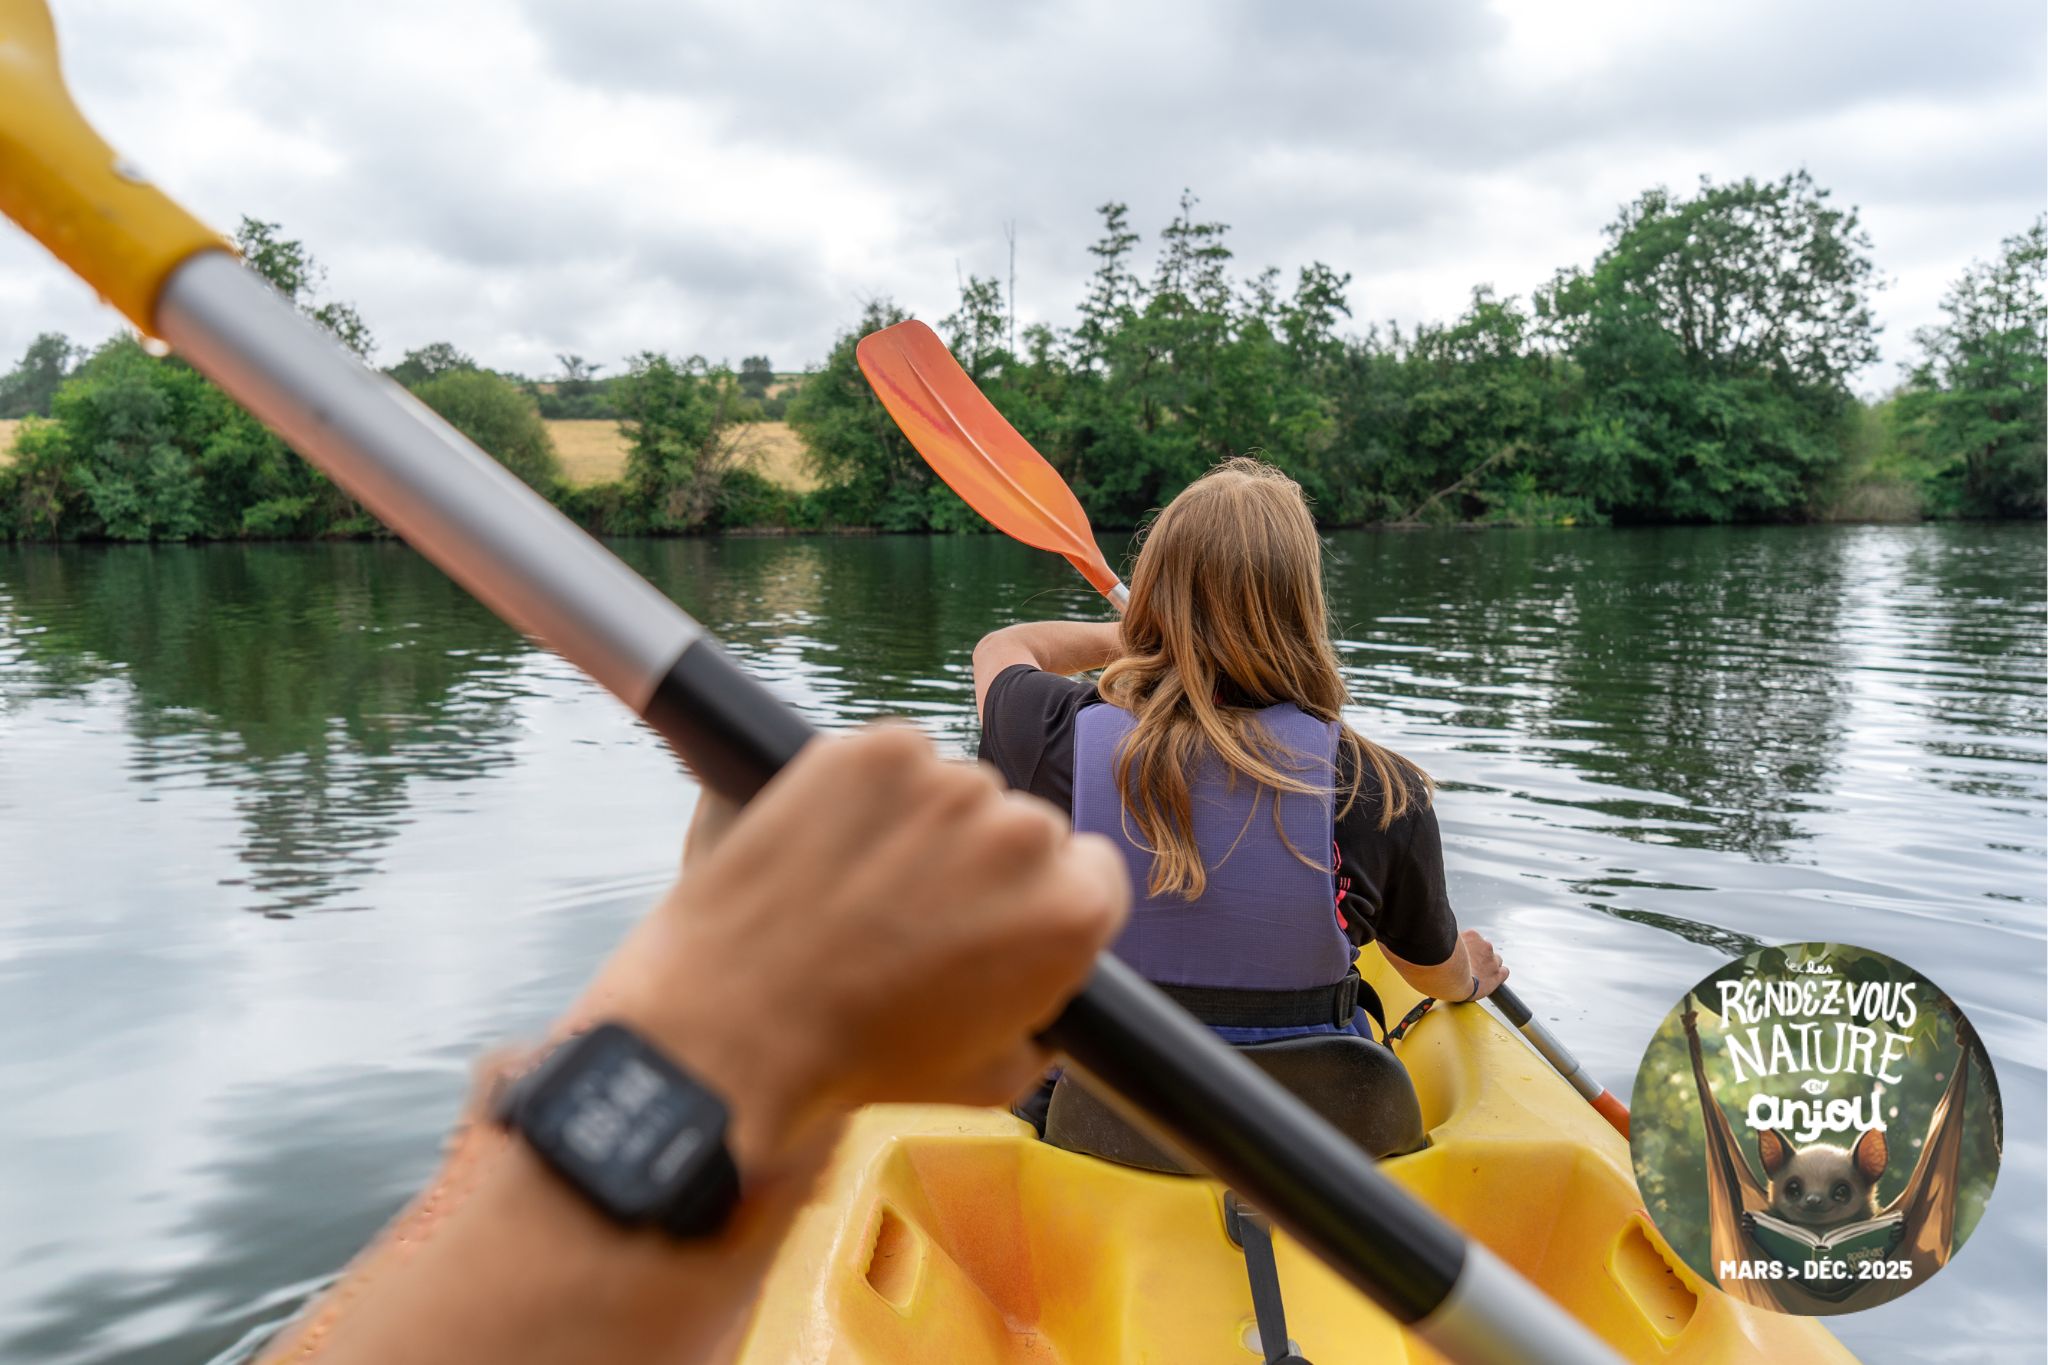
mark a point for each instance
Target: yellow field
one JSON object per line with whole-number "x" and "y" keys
{"x": 776, "y": 453}
{"x": 591, "y": 451}
{"x": 7, "y": 439}
{"x": 595, "y": 451}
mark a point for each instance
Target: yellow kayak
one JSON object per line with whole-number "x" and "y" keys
{"x": 954, "y": 1235}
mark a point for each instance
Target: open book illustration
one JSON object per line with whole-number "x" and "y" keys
{"x": 1868, "y": 1240}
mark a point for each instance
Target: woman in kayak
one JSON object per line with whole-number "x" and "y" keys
{"x": 1266, "y": 839}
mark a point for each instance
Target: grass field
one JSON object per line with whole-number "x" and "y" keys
{"x": 591, "y": 451}
{"x": 595, "y": 451}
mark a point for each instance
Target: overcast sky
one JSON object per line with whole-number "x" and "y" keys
{"x": 530, "y": 177}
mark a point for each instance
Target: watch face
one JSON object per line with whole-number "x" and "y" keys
{"x": 620, "y": 1121}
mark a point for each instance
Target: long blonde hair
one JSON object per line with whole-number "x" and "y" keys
{"x": 1227, "y": 594}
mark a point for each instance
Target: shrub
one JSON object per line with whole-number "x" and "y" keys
{"x": 502, "y": 420}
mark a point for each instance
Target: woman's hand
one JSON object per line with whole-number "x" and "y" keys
{"x": 1482, "y": 962}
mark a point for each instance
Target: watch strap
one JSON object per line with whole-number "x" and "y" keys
{"x": 704, "y": 1206}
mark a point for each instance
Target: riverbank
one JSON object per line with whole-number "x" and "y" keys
{"x": 592, "y": 454}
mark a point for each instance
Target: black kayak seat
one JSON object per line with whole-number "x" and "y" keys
{"x": 1358, "y": 1085}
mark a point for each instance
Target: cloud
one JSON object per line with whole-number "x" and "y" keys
{"x": 733, "y": 179}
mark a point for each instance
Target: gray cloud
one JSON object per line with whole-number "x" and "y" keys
{"x": 731, "y": 179}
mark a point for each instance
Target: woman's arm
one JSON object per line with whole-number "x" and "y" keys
{"x": 1472, "y": 971}
{"x": 1414, "y": 907}
{"x": 1064, "y": 647}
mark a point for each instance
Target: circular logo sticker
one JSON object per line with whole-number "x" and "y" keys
{"x": 1816, "y": 1128}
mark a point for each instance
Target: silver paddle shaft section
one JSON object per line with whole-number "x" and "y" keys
{"x": 1518, "y": 1013}
{"x": 1567, "y": 1065}
{"x": 1494, "y": 1315}
{"x": 451, "y": 502}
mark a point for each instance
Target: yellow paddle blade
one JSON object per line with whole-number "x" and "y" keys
{"x": 65, "y": 186}
{"x": 975, "y": 449}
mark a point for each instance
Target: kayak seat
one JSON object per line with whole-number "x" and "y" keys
{"x": 1359, "y": 1086}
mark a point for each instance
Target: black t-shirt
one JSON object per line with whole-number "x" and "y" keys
{"x": 1392, "y": 879}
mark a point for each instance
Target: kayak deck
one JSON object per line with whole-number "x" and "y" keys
{"x": 948, "y": 1234}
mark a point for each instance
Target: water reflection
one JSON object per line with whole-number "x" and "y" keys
{"x": 315, "y": 683}
{"x": 1692, "y": 673}
{"x": 1657, "y": 750}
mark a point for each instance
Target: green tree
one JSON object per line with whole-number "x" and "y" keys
{"x": 1150, "y": 422}
{"x": 682, "y": 456}
{"x": 433, "y": 359}
{"x": 976, "y": 331}
{"x": 140, "y": 448}
{"x": 577, "y": 393}
{"x": 756, "y": 374}
{"x": 1485, "y": 406}
{"x": 1713, "y": 341}
{"x": 503, "y": 421}
{"x": 293, "y": 272}
{"x": 26, "y": 390}
{"x": 124, "y": 455}
{"x": 1974, "y": 405}
{"x": 869, "y": 475}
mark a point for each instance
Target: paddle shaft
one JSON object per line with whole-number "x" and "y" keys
{"x": 522, "y": 558}
{"x": 1560, "y": 1057}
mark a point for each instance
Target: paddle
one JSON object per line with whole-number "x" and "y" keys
{"x": 1603, "y": 1100}
{"x": 977, "y": 452}
{"x": 462, "y": 510}
{"x": 999, "y": 474}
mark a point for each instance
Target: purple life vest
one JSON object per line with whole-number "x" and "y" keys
{"x": 1267, "y": 920}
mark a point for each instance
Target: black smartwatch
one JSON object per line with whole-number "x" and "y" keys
{"x": 633, "y": 1133}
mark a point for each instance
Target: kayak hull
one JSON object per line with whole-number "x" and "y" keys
{"x": 948, "y": 1234}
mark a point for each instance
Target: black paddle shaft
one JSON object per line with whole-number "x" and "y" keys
{"x": 1168, "y": 1071}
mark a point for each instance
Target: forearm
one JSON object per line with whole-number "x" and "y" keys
{"x": 1065, "y": 647}
{"x": 520, "y": 1269}
{"x": 1449, "y": 980}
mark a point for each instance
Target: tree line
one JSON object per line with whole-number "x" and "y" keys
{"x": 1698, "y": 370}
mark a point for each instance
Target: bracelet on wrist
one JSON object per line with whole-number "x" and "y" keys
{"x": 1472, "y": 994}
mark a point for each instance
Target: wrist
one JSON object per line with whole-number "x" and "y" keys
{"x": 729, "y": 1027}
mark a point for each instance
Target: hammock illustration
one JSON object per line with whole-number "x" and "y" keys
{"x": 1919, "y": 1221}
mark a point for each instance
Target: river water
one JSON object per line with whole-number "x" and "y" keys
{"x": 288, "y": 833}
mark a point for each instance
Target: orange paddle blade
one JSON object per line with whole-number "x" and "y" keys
{"x": 975, "y": 449}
